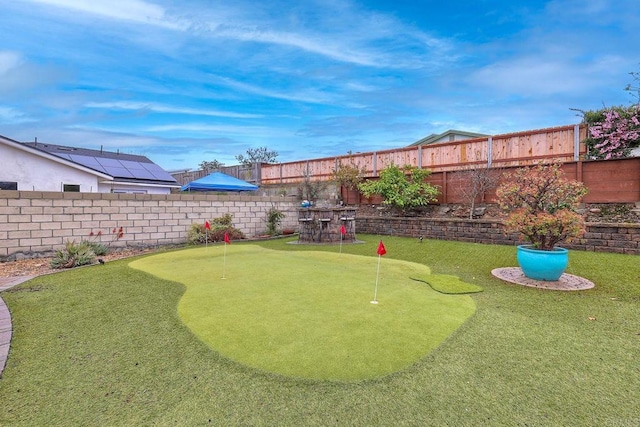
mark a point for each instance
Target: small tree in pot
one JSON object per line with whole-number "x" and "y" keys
{"x": 542, "y": 206}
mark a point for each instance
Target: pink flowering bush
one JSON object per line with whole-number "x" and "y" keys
{"x": 613, "y": 132}
{"x": 542, "y": 205}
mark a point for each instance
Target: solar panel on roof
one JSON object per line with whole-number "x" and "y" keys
{"x": 109, "y": 162}
{"x": 130, "y": 164}
{"x": 119, "y": 172}
{"x": 88, "y": 161}
{"x": 142, "y": 174}
{"x": 116, "y": 167}
{"x": 158, "y": 172}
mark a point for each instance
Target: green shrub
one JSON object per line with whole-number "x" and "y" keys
{"x": 225, "y": 220}
{"x": 198, "y": 234}
{"x": 98, "y": 248}
{"x": 402, "y": 187}
{"x": 274, "y": 216}
{"x": 73, "y": 255}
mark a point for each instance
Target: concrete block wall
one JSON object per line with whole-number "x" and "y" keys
{"x": 38, "y": 223}
{"x": 617, "y": 238}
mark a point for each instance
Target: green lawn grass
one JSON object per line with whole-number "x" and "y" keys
{"x": 105, "y": 345}
{"x": 309, "y": 314}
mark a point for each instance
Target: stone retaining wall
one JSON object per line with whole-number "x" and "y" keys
{"x": 618, "y": 238}
{"x": 37, "y": 223}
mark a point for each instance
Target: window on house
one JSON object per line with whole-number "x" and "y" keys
{"x": 72, "y": 188}
{"x": 8, "y": 185}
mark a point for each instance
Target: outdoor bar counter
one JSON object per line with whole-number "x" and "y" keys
{"x": 324, "y": 225}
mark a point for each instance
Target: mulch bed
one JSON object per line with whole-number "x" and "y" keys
{"x": 39, "y": 266}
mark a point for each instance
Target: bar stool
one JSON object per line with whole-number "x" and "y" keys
{"x": 305, "y": 221}
{"x": 348, "y": 219}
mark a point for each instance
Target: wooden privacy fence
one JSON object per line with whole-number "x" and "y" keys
{"x": 515, "y": 149}
{"x": 608, "y": 181}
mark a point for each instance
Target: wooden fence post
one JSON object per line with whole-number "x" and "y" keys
{"x": 489, "y": 151}
{"x": 444, "y": 187}
{"x": 576, "y": 142}
{"x": 375, "y": 164}
{"x": 579, "y": 171}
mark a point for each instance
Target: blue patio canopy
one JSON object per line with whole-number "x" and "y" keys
{"x": 218, "y": 181}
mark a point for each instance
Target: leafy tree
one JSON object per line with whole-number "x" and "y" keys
{"x": 348, "y": 175}
{"x": 403, "y": 188}
{"x": 212, "y": 165}
{"x": 308, "y": 189}
{"x": 613, "y": 132}
{"x": 478, "y": 181}
{"x": 257, "y": 155}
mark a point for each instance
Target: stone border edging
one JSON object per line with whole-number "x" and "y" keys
{"x": 567, "y": 282}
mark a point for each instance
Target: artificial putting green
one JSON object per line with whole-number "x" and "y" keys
{"x": 309, "y": 314}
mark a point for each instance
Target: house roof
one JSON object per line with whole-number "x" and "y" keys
{"x": 122, "y": 167}
{"x": 20, "y": 146}
{"x": 434, "y": 137}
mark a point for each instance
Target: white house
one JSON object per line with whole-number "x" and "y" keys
{"x": 35, "y": 166}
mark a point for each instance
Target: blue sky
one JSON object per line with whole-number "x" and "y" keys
{"x": 192, "y": 80}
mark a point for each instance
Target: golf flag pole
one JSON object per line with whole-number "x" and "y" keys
{"x": 224, "y": 257}
{"x": 343, "y": 231}
{"x": 207, "y": 227}
{"x": 381, "y": 251}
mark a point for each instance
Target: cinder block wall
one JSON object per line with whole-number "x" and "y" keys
{"x": 38, "y": 223}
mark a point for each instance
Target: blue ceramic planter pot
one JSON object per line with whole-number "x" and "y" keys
{"x": 542, "y": 265}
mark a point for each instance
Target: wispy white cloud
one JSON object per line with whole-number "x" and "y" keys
{"x": 360, "y": 37}
{"x": 137, "y": 11}
{"x": 13, "y": 116}
{"x": 18, "y": 74}
{"x": 8, "y": 61}
{"x": 160, "y": 108}
{"x": 324, "y": 46}
{"x": 313, "y": 96}
{"x": 213, "y": 129}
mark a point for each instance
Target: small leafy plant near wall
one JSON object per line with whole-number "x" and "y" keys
{"x": 274, "y": 217}
{"x": 85, "y": 252}
{"x": 198, "y": 233}
{"x": 73, "y": 255}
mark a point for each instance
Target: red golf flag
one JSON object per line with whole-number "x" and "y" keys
{"x": 381, "y": 249}
{"x": 226, "y": 238}
{"x": 343, "y": 230}
{"x": 207, "y": 225}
